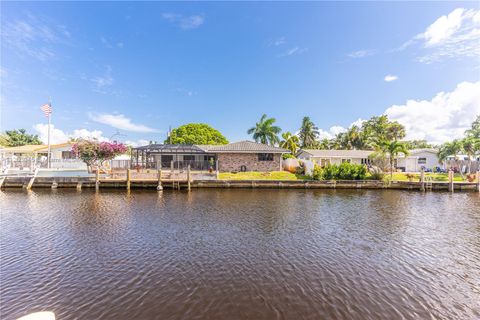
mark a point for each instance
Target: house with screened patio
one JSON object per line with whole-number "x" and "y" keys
{"x": 232, "y": 157}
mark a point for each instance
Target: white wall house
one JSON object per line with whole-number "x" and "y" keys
{"x": 324, "y": 157}
{"x": 418, "y": 159}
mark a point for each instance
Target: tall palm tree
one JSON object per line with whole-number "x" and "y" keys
{"x": 391, "y": 149}
{"x": 308, "y": 133}
{"x": 265, "y": 132}
{"x": 449, "y": 149}
{"x": 290, "y": 141}
{"x": 471, "y": 146}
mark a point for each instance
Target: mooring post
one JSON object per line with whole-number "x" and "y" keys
{"x": 171, "y": 168}
{"x": 217, "y": 172}
{"x": 97, "y": 179}
{"x": 450, "y": 180}
{"x": 422, "y": 179}
{"x": 79, "y": 185}
{"x": 159, "y": 179}
{"x": 478, "y": 180}
{"x": 128, "y": 178}
{"x": 188, "y": 177}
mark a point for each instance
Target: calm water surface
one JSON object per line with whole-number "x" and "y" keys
{"x": 240, "y": 254}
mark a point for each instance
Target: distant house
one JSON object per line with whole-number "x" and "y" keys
{"x": 237, "y": 156}
{"x": 418, "y": 159}
{"x": 414, "y": 162}
{"x": 35, "y": 156}
{"x": 325, "y": 157}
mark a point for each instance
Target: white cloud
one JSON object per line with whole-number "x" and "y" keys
{"x": 33, "y": 37}
{"x": 390, "y": 78}
{"x": 330, "y": 133}
{"x": 444, "y": 27}
{"x": 138, "y": 143}
{"x": 119, "y": 121}
{"x": 450, "y": 36}
{"x": 104, "y": 80}
{"x": 292, "y": 51}
{"x": 59, "y": 136}
{"x": 361, "y": 54}
{"x": 278, "y": 42}
{"x": 445, "y": 117}
{"x": 184, "y": 22}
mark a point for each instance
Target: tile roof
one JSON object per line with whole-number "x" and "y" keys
{"x": 243, "y": 147}
{"x": 337, "y": 153}
{"x": 29, "y": 148}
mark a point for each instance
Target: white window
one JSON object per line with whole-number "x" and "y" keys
{"x": 346, "y": 160}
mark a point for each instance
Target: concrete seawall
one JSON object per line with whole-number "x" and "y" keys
{"x": 74, "y": 182}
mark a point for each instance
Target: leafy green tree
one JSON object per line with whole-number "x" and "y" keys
{"x": 471, "y": 146}
{"x": 196, "y": 133}
{"x": 265, "y": 131}
{"x": 290, "y": 142}
{"x": 390, "y": 150}
{"x": 418, "y": 144}
{"x": 20, "y": 137}
{"x": 474, "y": 131}
{"x": 381, "y": 128}
{"x": 308, "y": 133}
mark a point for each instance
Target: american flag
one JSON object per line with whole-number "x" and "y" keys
{"x": 47, "y": 109}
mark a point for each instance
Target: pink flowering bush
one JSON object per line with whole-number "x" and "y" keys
{"x": 93, "y": 152}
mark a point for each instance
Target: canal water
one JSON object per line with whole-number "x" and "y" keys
{"x": 240, "y": 254}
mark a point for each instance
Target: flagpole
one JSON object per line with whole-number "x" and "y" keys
{"x": 48, "y": 139}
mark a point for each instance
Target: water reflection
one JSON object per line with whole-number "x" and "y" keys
{"x": 237, "y": 254}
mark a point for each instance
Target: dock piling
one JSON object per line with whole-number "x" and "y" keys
{"x": 450, "y": 180}
{"x": 128, "y": 178}
{"x": 159, "y": 179}
{"x": 478, "y": 181}
{"x": 188, "y": 177}
{"x": 97, "y": 180}
{"x": 422, "y": 179}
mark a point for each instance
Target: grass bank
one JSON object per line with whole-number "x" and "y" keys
{"x": 400, "y": 176}
{"x": 254, "y": 175}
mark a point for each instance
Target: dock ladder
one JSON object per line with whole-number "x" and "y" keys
{"x": 428, "y": 183}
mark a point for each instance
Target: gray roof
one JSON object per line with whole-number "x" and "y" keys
{"x": 337, "y": 153}
{"x": 243, "y": 147}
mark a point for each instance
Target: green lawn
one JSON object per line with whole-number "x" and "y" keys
{"x": 253, "y": 175}
{"x": 400, "y": 176}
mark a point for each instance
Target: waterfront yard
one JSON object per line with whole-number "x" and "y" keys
{"x": 285, "y": 175}
{"x": 402, "y": 176}
{"x": 254, "y": 175}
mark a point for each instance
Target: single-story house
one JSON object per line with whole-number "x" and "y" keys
{"x": 33, "y": 156}
{"x": 237, "y": 156}
{"x": 418, "y": 159}
{"x": 325, "y": 157}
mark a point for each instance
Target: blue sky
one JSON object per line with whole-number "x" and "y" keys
{"x": 141, "y": 67}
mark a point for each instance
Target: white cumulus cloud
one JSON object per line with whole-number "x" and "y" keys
{"x": 454, "y": 35}
{"x": 390, "y": 78}
{"x": 59, "y": 136}
{"x": 445, "y": 117}
{"x": 119, "y": 121}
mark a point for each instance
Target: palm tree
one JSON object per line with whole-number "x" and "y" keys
{"x": 290, "y": 141}
{"x": 265, "y": 132}
{"x": 391, "y": 149}
{"x": 471, "y": 146}
{"x": 449, "y": 149}
{"x": 308, "y": 133}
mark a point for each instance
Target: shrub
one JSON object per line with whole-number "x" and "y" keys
{"x": 344, "y": 171}
{"x": 317, "y": 173}
{"x": 286, "y": 156}
{"x": 376, "y": 173}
